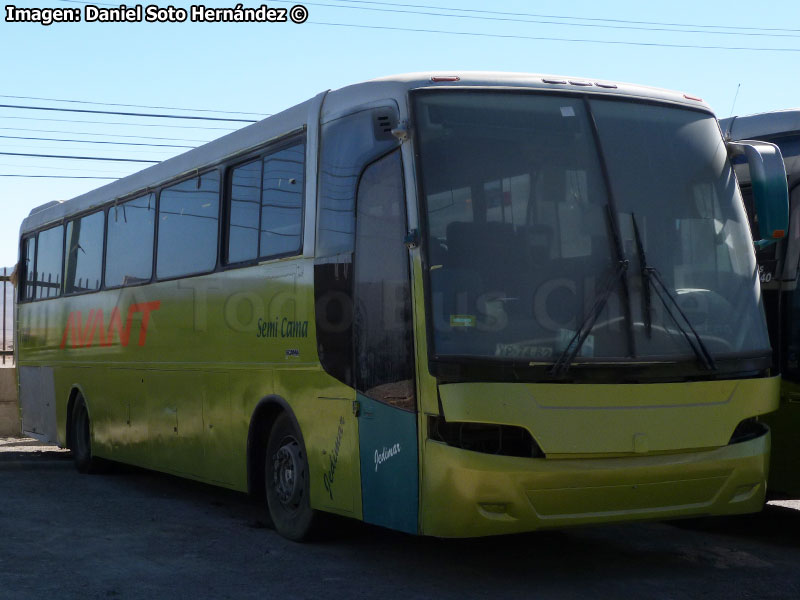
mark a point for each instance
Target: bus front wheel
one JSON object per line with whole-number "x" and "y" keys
{"x": 287, "y": 481}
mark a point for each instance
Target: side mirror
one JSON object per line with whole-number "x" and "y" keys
{"x": 770, "y": 190}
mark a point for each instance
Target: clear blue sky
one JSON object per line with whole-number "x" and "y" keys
{"x": 267, "y": 67}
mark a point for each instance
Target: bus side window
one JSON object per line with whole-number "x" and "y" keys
{"x": 265, "y": 206}
{"x": 28, "y": 267}
{"x": 282, "y": 187}
{"x": 84, "y": 259}
{"x": 188, "y": 213}
{"x": 131, "y": 224}
{"x": 382, "y": 322}
{"x": 49, "y": 249}
{"x": 243, "y": 215}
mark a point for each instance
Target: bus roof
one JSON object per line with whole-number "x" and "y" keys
{"x": 767, "y": 126}
{"x": 761, "y": 125}
{"x": 335, "y": 103}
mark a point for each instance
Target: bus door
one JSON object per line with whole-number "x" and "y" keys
{"x": 383, "y": 350}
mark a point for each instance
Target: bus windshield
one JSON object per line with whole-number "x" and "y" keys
{"x": 537, "y": 207}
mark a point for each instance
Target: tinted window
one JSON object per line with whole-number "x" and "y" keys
{"x": 84, "y": 260}
{"x": 692, "y": 223}
{"x": 28, "y": 266}
{"x": 243, "y": 231}
{"x": 129, "y": 251}
{"x": 187, "y": 226}
{"x": 516, "y": 219}
{"x": 48, "y": 262}
{"x": 348, "y": 144}
{"x": 382, "y": 323}
{"x": 520, "y": 262}
{"x": 282, "y": 202}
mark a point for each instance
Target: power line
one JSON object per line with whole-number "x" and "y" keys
{"x": 92, "y": 170}
{"x": 553, "y": 39}
{"x": 44, "y": 139}
{"x": 523, "y": 14}
{"x": 56, "y": 176}
{"x": 124, "y": 114}
{"x": 118, "y": 123}
{"x": 517, "y": 19}
{"x": 60, "y": 147}
{"x": 114, "y": 135}
{"x": 81, "y": 157}
{"x": 510, "y": 14}
{"x": 225, "y": 112}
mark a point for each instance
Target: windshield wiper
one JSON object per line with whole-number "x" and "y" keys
{"x": 573, "y": 347}
{"x": 648, "y": 320}
{"x": 651, "y": 277}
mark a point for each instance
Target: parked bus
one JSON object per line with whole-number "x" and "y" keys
{"x": 778, "y": 266}
{"x": 448, "y": 304}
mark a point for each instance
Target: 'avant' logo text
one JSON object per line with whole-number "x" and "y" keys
{"x": 82, "y": 335}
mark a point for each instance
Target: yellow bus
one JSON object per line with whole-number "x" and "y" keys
{"x": 453, "y": 304}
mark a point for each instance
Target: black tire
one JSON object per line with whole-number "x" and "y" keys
{"x": 81, "y": 445}
{"x": 287, "y": 481}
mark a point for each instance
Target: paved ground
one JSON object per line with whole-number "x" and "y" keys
{"x": 136, "y": 534}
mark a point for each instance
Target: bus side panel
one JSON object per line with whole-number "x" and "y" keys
{"x": 37, "y": 399}
{"x": 389, "y": 465}
{"x": 109, "y": 396}
{"x": 247, "y": 388}
{"x": 124, "y": 427}
{"x": 173, "y": 421}
{"x": 324, "y": 411}
{"x": 218, "y": 455}
{"x": 181, "y": 418}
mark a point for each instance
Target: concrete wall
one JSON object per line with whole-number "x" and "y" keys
{"x": 9, "y": 405}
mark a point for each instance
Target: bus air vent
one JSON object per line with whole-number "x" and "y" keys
{"x": 383, "y": 125}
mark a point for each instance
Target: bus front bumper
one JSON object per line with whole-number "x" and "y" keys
{"x": 468, "y": 494}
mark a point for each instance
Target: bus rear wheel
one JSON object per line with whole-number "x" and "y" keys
{"x": 81, "y": 445}
{"x": 287, "y": 481}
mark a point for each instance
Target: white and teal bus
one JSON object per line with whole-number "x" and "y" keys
{"x": 778, "y": 266}
{"x": 452, "y": 304}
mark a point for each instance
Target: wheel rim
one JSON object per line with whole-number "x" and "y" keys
{"x": 287, "y": 473}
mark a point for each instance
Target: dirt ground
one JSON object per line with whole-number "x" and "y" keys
{"x": 138, "y": 534}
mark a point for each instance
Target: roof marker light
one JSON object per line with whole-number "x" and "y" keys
{"x": 610, "y": 86}
{"x": 557, "y": 81}
{"x": 583, "y": 83}
{"x": 688, "y": 97}
{"x": 438, "y": 78}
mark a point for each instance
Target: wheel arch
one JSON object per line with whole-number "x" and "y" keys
{"x": 263, "y": 418}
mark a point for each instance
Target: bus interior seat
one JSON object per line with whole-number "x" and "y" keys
{"x": 489, "y": 248}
